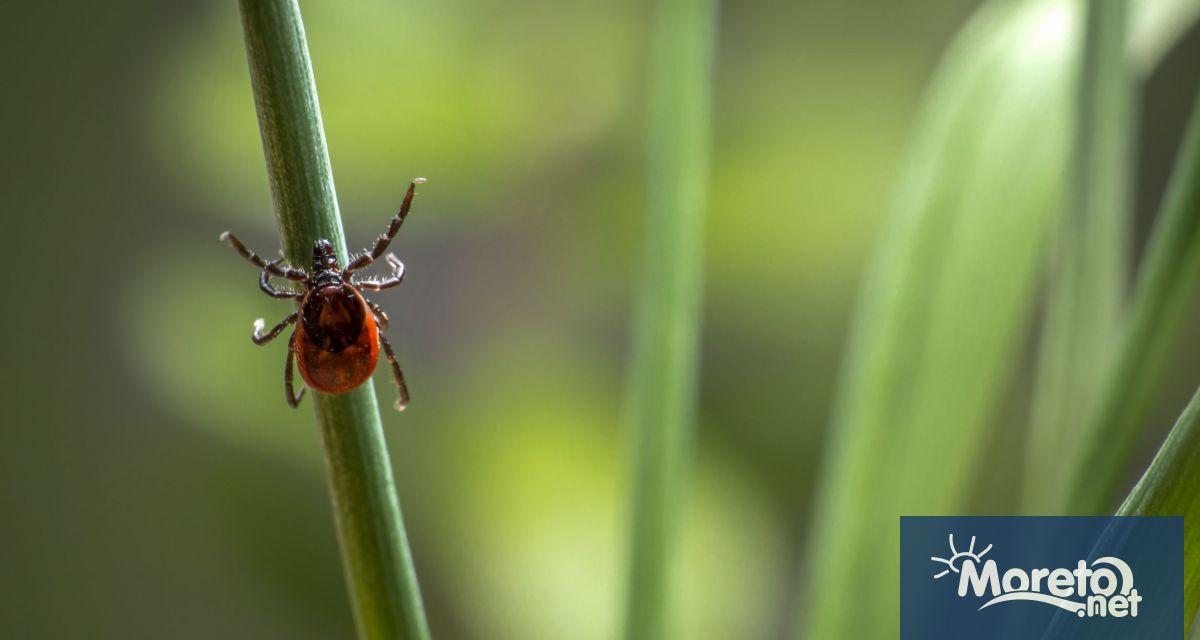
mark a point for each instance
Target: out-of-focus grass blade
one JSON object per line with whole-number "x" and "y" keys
{"x": 1088, "y": 258}
{"x": 1171, "y": 487}
{"x": 1166, "y": 285}
{"x": 662, "y": 382}
{"x": 943, "y": 315}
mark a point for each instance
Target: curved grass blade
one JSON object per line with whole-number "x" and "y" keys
{"x": 1166, "y": 285}
{"x": 944, "y": 312}
{"x": 1171, "y": 487}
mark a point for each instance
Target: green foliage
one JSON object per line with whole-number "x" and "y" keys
{"x": 1171, "y": 487}
{"x": 665, "y": 365}
{"x": 943, "y": 318}
{"x": 528, "y": 116}
{"x": 1165, "y": 288}
{"x": 375, "y": 551}
{"x": 1088, "y": 256}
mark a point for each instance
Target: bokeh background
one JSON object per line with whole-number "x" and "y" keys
{"x": 155, "y": 484}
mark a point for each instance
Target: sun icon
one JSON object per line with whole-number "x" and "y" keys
{"x": 957, "y": 557}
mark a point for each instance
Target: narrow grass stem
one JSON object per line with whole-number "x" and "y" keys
{"x": 664, "y": 371}
{"x": 377, "y": 561}
{"x": 1166, "y": 286}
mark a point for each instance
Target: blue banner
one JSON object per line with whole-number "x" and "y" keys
{"x": 1052, "y": 578}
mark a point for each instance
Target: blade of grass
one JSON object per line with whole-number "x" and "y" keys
{"x": 942, "y": 316}
{"x": 665, "y": 363}
{"x": 1165, "y": 287}
{"x": 1171, "y": 487}
{"x": 375, "y": 553}
{"x": 943, "y": 310}
{"x": 1083, "y": 297}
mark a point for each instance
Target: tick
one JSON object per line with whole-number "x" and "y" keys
{"x": 336, "y": 340}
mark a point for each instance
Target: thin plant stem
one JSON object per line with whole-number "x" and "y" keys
{"x": 378, "y": 565}
{"x": 664, "y": 371}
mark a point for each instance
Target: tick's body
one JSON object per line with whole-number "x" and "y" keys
{"x": 336, "y": 341}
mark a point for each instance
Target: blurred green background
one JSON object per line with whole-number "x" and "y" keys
{"x": 155, "y": 484}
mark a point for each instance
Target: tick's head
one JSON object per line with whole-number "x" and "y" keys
{"x": 324, "y": 258}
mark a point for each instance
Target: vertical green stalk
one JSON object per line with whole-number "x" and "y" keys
{"x": 1171, "y": 487}
{"x": 1083, "y": 300}
{"x": 1165, "y": 288}
{"x": 664, "y": 374}
{"x": 378, "y": 564}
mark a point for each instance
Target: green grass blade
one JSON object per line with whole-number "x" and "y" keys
{"x": 1165, "y": 288}
{"x": 378, "y": 564}
{"x": 1171, "y": 487}
{"x": 665, "y": 363}
{"x": 942, "y": 319}
{"x": 943, "y": 314}
{"x": 1089, "y": 256}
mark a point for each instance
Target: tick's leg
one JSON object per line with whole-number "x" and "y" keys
{"x": 271, "y": 267}
{"x": 397, "y": 266}
{"x": 401, "y": 388}
{"x": 260, "y": 339}
{"x": 379, "y": 314}
{"x": 293, "y": 398}
{"x": 396, "y": 278}
{"x": 381, "y": 243}
{"x": 264, "y": 283}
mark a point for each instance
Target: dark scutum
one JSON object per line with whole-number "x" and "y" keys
{"x": 333, "y": 317}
